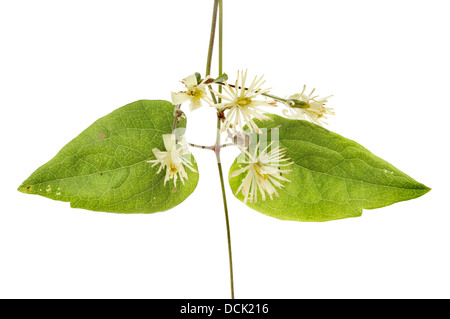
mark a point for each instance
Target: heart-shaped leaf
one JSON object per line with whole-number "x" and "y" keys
{"x": 332, "y": 177}
{"x": 105, "y": 168}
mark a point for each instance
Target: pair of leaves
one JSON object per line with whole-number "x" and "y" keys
{"x": 105, "y": 169}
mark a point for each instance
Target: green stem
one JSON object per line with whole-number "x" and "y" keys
{"x": 211, "y": 46}
{"x": 220, "y": 43}
{"x": 224, "y": 197}
{"x": 265, "y": 94}
{"x": 219, "y": 164}
{"x": 218, "y": 4}
{"x": 211, "y": 38}
{"x": 275, "y": 97}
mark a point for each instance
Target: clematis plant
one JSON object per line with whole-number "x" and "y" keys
{"x": 137, "y": 159}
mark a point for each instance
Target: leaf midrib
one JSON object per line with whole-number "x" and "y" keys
{"x": 345, "y": 159}
{"x": 359, "y": 181}
{"x": 85, "y": 175}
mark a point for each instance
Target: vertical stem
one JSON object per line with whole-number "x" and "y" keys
{"x": 211, "y": 38}
{"x": 211, "y": 45}
{"x": 225, "y": 207}
{"x": 219, "y": 5}
{"x": 218, "y": 148}
{"x": 220, "y": 42}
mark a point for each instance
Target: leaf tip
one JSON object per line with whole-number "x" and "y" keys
{"x": 419, "y": 191}
{"x": 426, "y": 189}
{"x": 25, "y": 188}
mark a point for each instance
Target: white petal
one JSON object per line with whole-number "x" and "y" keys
{"x": 239, "y": 171}
{"x": 180, "y": 97}
{"x": 195, "y": 104}
{"x": 169, "y": 141}
{"x": 191, "y": 80}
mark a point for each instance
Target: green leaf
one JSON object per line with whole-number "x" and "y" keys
{"x": 222, "y": 78}
{"x": 198, "y": 76}
{"x": 332, "y": 178}
{"x": 105, "y": 169}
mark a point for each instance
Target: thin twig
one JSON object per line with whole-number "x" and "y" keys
{"x": 202, "y": 146}
{"x": 212, "y": 147}
{"x": 178, "y": 113}
{"x": 265, "y": 94}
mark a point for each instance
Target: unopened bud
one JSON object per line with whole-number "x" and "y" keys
{"x": 295, "y": 103}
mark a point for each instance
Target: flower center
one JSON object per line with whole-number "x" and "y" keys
{"x": 244, "y": 101}
{"x": 257, "y": 167}
{"x": 173, "y": 168}
{"x": 197, "y": 93}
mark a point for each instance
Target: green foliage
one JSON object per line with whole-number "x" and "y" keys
{"x": 332, "y": 178}
{"x": 105, "y": 169}
{"x": 221, "y": 79}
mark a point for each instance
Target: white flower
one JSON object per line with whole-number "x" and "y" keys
{"x": 241, "y": 104}
{"x": 263, "y": 173}
{"x": 196, "y": 92}
{"x": 302, "y": 107}
{"x": 173, "y": 159}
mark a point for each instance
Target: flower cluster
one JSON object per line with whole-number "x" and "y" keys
{"x": 237, "y": 107}
{"x": 243, "y": 104}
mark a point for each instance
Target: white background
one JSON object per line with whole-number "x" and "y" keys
{"x": 64, "y": 64}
